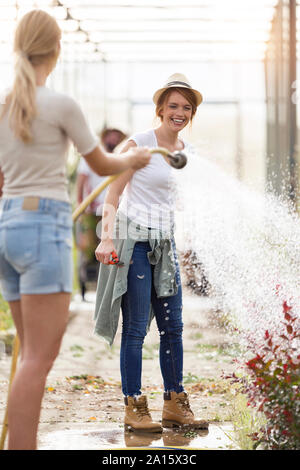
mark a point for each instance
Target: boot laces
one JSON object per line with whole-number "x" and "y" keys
{"x": 142, "y": 408}
{"x": 184, "y": 404}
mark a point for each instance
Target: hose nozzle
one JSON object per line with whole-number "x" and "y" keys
{"x": 177, "y": 159}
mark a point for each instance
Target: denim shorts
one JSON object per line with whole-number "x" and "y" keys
{"x": 35, "y": 247}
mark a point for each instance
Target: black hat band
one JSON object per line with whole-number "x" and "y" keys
{"x": 178, "y": 83}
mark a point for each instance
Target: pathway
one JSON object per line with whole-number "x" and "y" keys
{"x": 83, "y": 405}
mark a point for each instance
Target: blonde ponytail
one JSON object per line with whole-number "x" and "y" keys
{"x": 36, "y": 42}
{"x": 21, "y": 101}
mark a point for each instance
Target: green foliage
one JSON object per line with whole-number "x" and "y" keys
{"x": 190, "y": 378}
{"x": 272, "y": 386}
{"x": 6, "y": 320}
{"x": 246, "y": 422}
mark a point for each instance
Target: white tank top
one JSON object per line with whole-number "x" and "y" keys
{"x": 149, "y": 196}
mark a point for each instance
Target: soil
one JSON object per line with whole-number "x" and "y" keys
{"x": 83, "y": 403}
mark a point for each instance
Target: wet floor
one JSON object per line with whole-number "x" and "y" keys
{"x": 78, "y": 415}
{"x": 216, "y": 438}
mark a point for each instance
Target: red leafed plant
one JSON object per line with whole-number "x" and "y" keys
{"x": 272, "y": 386}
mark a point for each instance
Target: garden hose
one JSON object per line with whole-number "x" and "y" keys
{"x": 15, "y": 353}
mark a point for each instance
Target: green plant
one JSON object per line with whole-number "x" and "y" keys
{"x": 190, "y": 434}
{"x": 272, "y": 386}
{"x": 6, "y": 320}
{"x": 78, "y": 387}
{"x": 246, "y": 421}
{"x": 76, "y": 347}
{"x": 190, "y": 378}
{"x": 75, "y": 263}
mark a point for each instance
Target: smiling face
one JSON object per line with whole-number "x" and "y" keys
{"x": 176, "y": 111}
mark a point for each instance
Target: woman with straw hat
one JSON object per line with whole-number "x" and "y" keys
{"x": 147, "y": 283}
{"x": 35, "y": 212}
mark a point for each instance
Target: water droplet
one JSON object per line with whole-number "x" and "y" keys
{"x": 168, "y": 351}
{"x": 162, "y": 332}
{"x": 167, "y": 318}
{"x": 166, "y": 304}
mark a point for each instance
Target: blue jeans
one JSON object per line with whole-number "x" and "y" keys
{"x": 136, "y": 309}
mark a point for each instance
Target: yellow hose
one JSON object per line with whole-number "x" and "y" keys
{"x": 80, "y": 209}
{"x": 86, "y": 202}
{"x": 15, "y": 354}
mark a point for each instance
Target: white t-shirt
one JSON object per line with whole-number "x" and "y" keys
{"x": 39, "y": 168}
{"x": 149, "y": 197}
{"x": 93, "y": 180}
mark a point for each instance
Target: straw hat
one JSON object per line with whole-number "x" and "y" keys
{"x": 177, "y": 80}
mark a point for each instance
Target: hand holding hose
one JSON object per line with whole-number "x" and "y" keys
{"x": 139, "y": 156}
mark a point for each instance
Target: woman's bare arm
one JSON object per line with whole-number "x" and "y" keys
{"x": 105, "y": 164}
{"x": 111, "y": 202}
{"x": 81, "y": 182}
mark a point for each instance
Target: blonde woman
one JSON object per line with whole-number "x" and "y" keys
{"x": 148, "y": 283}
{"x": 35, "y": 213}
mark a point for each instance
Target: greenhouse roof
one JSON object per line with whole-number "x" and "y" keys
{"x": 150, "y": 30}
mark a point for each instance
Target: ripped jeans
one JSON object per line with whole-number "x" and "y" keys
{"x": 135, "y": 310}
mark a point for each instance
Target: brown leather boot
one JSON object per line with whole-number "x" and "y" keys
{"x": 137, "y": 416}
{"x": 177, "y": 412}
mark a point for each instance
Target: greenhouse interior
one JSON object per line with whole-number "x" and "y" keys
{"x": 237, "y": 227}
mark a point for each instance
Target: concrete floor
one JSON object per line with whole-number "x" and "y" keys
{"x": 76, "y": 415}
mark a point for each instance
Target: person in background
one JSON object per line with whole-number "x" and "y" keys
{"x": 86, "y": 228}
{"x": 36, "y": 126}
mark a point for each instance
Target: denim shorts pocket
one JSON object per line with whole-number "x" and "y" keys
{"x": 64, "y": 219}
{"x": 64, "y": 228}
{"x": 22, "y": 246}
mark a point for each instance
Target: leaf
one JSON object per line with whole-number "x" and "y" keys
{"x": 286, "y": 307}
{"x": 284, "y": 337}
{"x": 289, "y": 329}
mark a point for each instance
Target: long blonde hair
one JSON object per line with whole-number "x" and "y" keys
{"x": 36, "y": 42}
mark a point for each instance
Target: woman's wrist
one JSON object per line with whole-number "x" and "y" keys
{"x": 106, "y": 239}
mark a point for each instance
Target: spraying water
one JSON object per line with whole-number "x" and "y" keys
{"x": 247, "y": 242}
